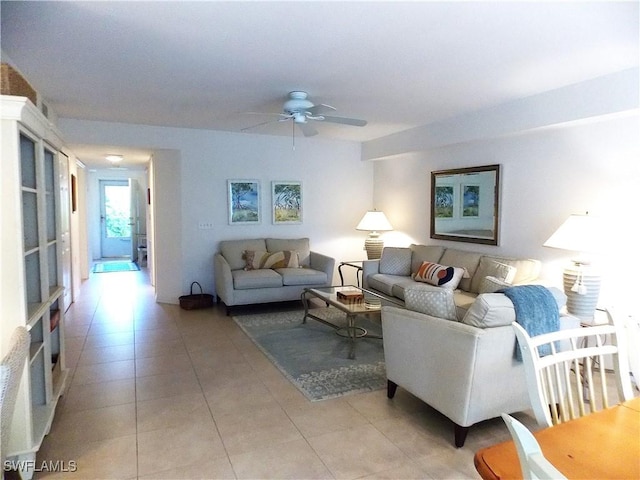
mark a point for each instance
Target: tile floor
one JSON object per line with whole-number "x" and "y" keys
{"x": 156, "y": 392}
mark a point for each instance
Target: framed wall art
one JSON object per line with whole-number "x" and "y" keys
{"x": 244, "y": 202}
{"x": 465, "y": 204}
{"x": 470, "y": 200}
{"x": 286, "y": 202}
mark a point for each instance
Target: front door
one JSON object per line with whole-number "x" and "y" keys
{"x": 115, "y": 218}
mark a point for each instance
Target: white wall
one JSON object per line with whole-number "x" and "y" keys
{"x": 337, "y": 190}
{"x": 547, "y": 174}
{"x": 550, "y": 170}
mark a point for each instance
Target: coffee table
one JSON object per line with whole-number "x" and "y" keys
{"x": 370, "y": 304}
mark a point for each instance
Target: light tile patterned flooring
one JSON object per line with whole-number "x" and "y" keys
{"x": 156, "y": 392}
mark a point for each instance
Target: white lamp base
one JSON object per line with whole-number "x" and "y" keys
{"x": 373, "y": 245}
{"x": 582, "y": 288}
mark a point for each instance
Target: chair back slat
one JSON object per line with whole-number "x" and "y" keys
{"x": 533, "y": 463}
{"x": 572, "y": 380}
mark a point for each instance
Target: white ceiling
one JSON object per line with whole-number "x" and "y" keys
{"x": 396, "y": 64}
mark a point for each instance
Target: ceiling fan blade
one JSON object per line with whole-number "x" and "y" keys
{"x": 346, "y": 121}
{"x": 318, "y": 109}
{"x": 307, "y": 129}
{"x": 267, "y": 114}
{"x": 259, "y": 125}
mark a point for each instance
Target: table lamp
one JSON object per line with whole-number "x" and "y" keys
{"x": 374, "y": 222}
{"x": 583, "y": 234}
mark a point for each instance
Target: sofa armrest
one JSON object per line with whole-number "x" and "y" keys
{"x": 369, "y": 267}
{"x": 223, "y": 279}
{"x": 323, "y": 263}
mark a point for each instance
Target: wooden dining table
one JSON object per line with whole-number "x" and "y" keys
{"x": 601, "y": 445}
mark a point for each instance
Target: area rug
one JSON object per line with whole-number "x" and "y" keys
{"x": 313, "y": 357}
{"x": 107, "y": 267}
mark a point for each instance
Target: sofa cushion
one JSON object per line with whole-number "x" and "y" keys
{"x": 424, "y": 253}
{"x": 300, "y": 245}
{"x": 249, "y": 279}
{"x": 439, "y": 275}
{"x": 462, "y": 259}
{"x": 233, "y": 251}
{"x": 463, "y": 301}
{"x": 527, "y": 270}
{"x": 259, "y": 259}
{"x": 302, "y": 276}
{"x": 490, "y": 310}
{"x": 385, "y": 283}
{"x": 491, "y": 267}
{"x": 395, "y": 261}
{"x": 492, "y": 285}
{"x": 399, "y": 288}
{"x": 495, "y": 309}
{"x": 434, "y": 301}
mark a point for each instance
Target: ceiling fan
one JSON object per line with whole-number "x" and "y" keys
{"x": 300, "y": 110}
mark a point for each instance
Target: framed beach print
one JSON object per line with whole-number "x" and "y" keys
{"x": 286, "y": 202}
{"x": 244, "y": 202}
{"x": 443, "y": 201}
{"x": 470, "y": 200}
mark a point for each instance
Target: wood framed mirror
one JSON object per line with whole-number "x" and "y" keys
{"x": 465, "y": 204}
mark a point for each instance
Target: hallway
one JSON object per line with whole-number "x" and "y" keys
{"x": 159, "y": 392}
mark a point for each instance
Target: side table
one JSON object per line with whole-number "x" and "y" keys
{"x": 357, "y": 264}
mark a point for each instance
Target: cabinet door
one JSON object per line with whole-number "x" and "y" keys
{"x": 65, "y": 229}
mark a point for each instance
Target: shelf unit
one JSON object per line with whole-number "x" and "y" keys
{"x": 31, "y": 287}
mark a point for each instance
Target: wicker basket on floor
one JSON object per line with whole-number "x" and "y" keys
{"x": 194, "y": 301}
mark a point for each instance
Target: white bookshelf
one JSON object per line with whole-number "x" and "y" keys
{"x": 31, "y": 288}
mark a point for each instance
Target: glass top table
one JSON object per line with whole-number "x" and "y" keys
{"x": 353, "y": 302}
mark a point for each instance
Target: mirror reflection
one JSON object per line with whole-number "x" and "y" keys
{"x": 464, "y": 204}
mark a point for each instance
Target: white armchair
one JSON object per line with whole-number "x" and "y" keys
{"x": 467, "y": 373}
{"x": 466, "y": 370}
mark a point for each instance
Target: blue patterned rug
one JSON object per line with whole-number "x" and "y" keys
{"x": 313, "y": 357}
{"x": 108, "y": 267}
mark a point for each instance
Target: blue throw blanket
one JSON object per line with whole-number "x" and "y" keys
{"x": 536, "y": 311}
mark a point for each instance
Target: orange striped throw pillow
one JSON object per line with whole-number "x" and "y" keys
{"x": 439, "y": 275}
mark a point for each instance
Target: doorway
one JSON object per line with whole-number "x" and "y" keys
{"x": 115, "y": 219}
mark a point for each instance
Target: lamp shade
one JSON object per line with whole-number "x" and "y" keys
{"x": 374, "y": 221}
{"x": 584, "y": 234}
{"x": 579, "y": 233}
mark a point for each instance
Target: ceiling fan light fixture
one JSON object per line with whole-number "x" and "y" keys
{"x": 299, "y": 117}
{"x": 297, "y": 103}
{"x": 113, "y": 158}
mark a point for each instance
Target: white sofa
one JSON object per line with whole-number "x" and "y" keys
{"x": 393, "y": 273}
{"x": 455, "y": 350}
{"x": 236, "y": 284}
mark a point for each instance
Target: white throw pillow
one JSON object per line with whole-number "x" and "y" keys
{"x": 434, "y": 301}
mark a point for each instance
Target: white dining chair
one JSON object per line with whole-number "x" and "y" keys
{"x": 572, "y": 380}
{"x": 11, "y": 368}
{"x": 533, "y": 463}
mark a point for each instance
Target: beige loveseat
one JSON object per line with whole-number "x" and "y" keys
{"x": 267, "y": 270}
{"x": 455, "y": 349}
